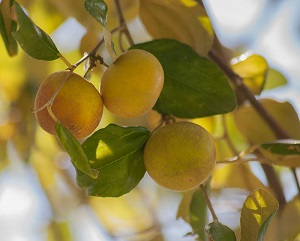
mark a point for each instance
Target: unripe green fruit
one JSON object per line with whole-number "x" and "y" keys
{"x": 180, "y": 156}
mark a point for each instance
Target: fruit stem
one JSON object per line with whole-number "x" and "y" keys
{"x": 51, "y": 113}
{"x": 49, "y": 103}
{"x": 208, "y": 202}
{"x": 70, "y": 66}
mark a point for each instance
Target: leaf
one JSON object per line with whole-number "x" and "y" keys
{"x": 236, "y": 176}
{"x": 274, "y": 79}
{"x": 257, "y": 131}
{"x": 194, "y": 86}
{"x": 109, "y": 44}
{"x": 117, "y": 154}
{"x": 74, "y": 149}
{"x": 219, "y": 232}
{"x": 7, "y": 26}
{"x": 253, "y": 69}
{"x": 257, "y": 212}
{"x": 282, "y": 152}
{"x": 187, "y": 23}
{"x": 184, "y": 206}
{"x": 33, "y": 40}
{"x": 98, "y": 9}
{"x": 283, "y": 147}
{"x": 198, "y": 214}
{"x": 289, "y": 221}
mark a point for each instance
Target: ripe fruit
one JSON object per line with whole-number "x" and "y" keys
{"x": 180, "y": 156}
{"x": 78, "y": 104}
{"x": 131, "y": 86}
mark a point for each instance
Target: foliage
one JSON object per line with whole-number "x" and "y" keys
{"x": 201, "y": 86}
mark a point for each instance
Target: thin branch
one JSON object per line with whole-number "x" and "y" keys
{"x": 208, "y": 203}
{"x": 237, "y": 81}
{"x": 241, "y": 88}
{"x": 93, "y": 52}
{"x": 122, "y": 22}
{"x": 296, "y": 179}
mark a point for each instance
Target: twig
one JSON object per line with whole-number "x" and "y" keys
{"x": 122, "y": 23}
{"x": 237, "y": 81}
{"x": 296, "y": 179}
{"x": 208, "y": 203}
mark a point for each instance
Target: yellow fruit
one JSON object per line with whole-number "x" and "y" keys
{"x": 78, "y": 104}
{"x": 180, "y": 156}
{"x": 131, "y": 86}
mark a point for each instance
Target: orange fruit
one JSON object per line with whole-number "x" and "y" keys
{"x": 132, "y": 84}
{"x": 78, "y": 104}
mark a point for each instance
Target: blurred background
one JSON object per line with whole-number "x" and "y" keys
{"x": 39, "y": 200}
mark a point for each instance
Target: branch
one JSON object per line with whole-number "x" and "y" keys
{"x": 123, "y": 23}
{"x": 241, "y": 88}
{"x": 237, "y": 81}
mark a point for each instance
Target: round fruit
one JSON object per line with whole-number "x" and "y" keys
{"x": 131, "y": 86}
{"x": 180, "y": 156}
{"x": 78, "y": 104}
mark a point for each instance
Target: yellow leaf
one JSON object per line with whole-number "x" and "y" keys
{"x": 280, "y": 160}
{"x": 256, "y": 214}
{"x": 274, "y": 79}
{"x": 290, "y": 221}
{"x": 253, "y": 69}
{"x": 251, "y": 124}
{"x": 123, "y": 215}
{"x": 211, "y": 124}
{"x": 236, "y": 176}
{"x": 180, "y": 20}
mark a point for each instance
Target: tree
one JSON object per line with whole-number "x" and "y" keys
{"x": 192, "y": 79}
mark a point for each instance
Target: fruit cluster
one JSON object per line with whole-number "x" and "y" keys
{"x": 178, "y": 156}
{"x": 129, "y": 88}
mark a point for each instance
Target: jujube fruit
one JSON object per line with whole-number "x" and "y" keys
{"x": 78, "y": 104}
{"x": 180, "y": 156}
{"x": 132, "y": 84}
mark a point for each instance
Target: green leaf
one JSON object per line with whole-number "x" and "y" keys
{"x": 257, "y": 212}
{"x": 33, "y": 40}
{"x": 282, "y": 152}
{"x": 7, "y": 26}
{"x": 74, "y": 149}
{"x": 98, "y": 9}
{"x": 117, "y": 153}
{"x": 198, "y": 214}
{"x": 194, "y": 86}
{"x": 219, "y": 232}
{"x": 283, "y": 147}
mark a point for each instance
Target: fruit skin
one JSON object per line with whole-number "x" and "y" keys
{"x": 131, "y": 86}
{"x": 180, "y": 156}
{"x": 78, "y": 105}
